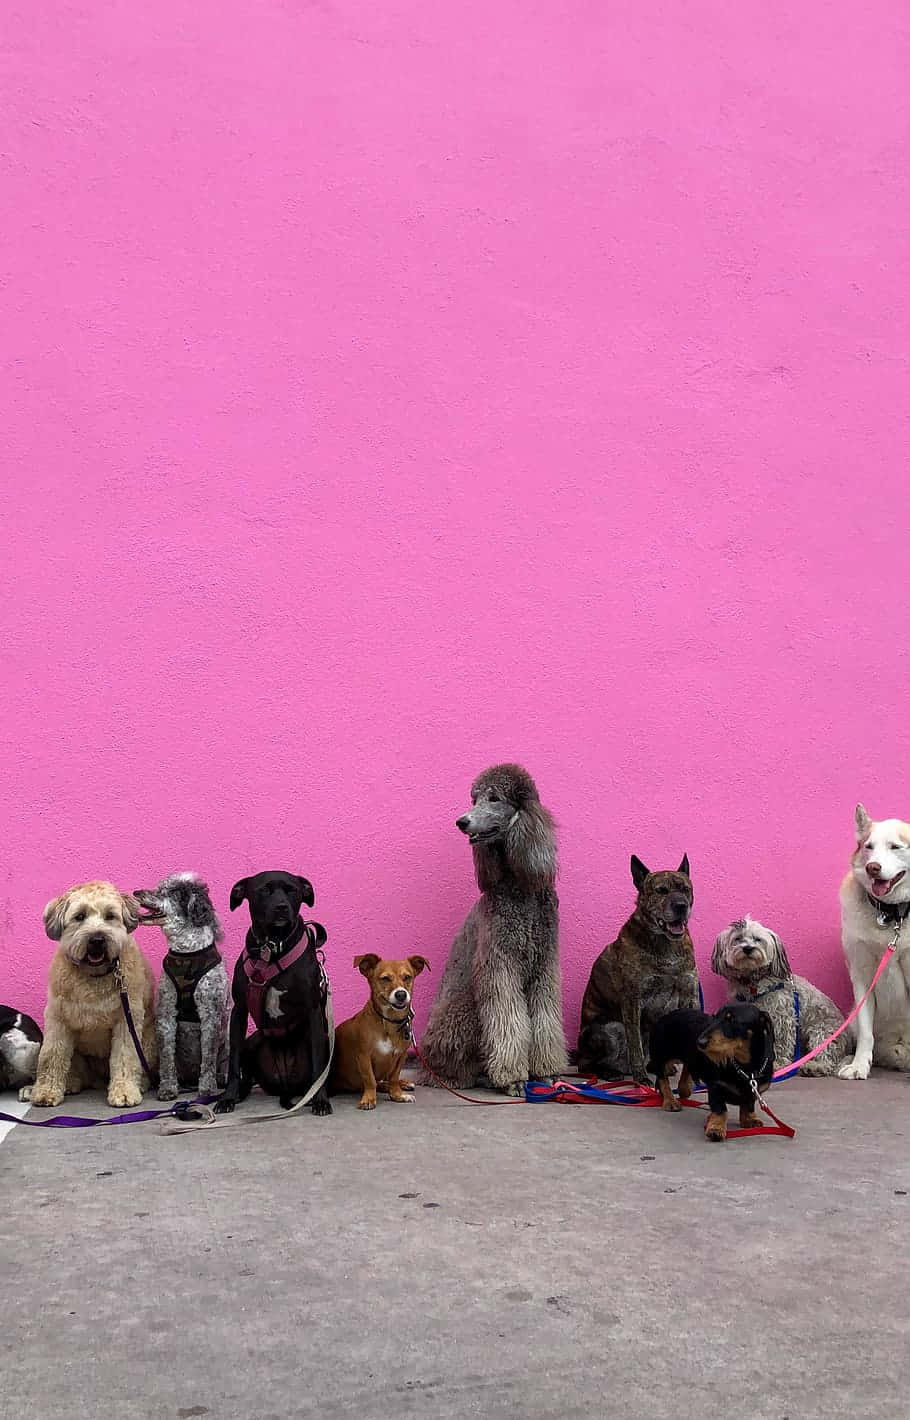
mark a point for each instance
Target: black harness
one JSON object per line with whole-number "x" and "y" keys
{"x": 185, "y": 970}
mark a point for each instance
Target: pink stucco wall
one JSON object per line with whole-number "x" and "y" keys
{"x": 392, "y": 389}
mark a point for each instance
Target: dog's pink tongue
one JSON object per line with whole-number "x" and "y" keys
{"x": 882, "y": 887}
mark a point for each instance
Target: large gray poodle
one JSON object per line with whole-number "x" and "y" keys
{"x": 498, "y": 1012}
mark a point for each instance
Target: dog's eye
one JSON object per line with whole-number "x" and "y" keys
{"x": 663, "y": 891}
{"x": 494, "y": 798}
{"x": 385, "y": 980}
{"x": 110, "y": 917}
{"x": 895, "y": 847}
{"x": 78, "y": 916}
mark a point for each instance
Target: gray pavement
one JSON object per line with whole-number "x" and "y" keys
{"x": 439, "y": 1260}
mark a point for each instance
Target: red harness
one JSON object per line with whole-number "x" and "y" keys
{"x": 260, "y": 975}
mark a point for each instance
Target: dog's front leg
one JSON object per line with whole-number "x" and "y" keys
{"x": 125, "y": 1085}
{"x": 631, "y": 1019}
{"x": 54, "y": 1061}
{"x": 166, "y": 1023}
{"x": 547, "y": 1055}
{"x": 319, "y": 1056}
{"x": 233, "y": 1090}
{"x": 367, "y": 1081}
{"x": 858, "y": 1068}
{"x": 716, "y": 1123}
{"x": 505, "y": 1025}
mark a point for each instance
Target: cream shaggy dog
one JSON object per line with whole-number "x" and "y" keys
{"x": 875, "y": 903}
{"x": 86, "y": 1040}
{"x": 753, "y": 960}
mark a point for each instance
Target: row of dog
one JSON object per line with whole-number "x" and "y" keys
{"x": 497, "y": 1017}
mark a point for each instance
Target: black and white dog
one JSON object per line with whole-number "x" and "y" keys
{"x": 193, "y": 992}
{"x": 20, "y": 1042}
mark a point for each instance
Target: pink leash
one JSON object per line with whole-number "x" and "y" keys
{"x": 787, "y": 1070}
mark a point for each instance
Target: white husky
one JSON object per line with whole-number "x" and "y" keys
{"x": 875, "y": 907}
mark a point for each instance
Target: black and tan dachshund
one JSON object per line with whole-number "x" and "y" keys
{"x": 726, "y": 1052}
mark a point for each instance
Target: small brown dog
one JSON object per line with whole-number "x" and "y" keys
{"x": 371, "y": 1047}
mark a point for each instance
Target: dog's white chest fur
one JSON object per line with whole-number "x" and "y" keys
{"x": 273, "y": 1003}
{"x": 384, "y": 1046}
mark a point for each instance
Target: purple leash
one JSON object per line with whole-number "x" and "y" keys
{"x": 183, "y": 1108}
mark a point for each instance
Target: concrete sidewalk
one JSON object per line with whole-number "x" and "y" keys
{"x": 541, "y": 1262}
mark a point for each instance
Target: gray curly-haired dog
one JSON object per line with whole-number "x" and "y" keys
{"x": 193, "y": 992}
{"x": 753, "y": 960}
{"x": 498, "y": 1013}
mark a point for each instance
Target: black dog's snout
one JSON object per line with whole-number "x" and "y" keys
{"x": 463, "y": 823}
{"x": 97, "y": 939}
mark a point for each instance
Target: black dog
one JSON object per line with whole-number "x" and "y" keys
{"x": 278, "y": 980}
{"x": 727, "y": 1052}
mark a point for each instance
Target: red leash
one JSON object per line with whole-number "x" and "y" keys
{"x": 457, "y": 1093}
{"x": 563, "y": 1092}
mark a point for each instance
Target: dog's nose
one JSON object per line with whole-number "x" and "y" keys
{"x": 97, "y": 939}
{"x": 463, "y": 823}
{"x": 874, "y": 870}
{"x": 748, "y": 950}
{"x": 400, "y": 996}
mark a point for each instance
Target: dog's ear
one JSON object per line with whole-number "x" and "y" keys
{"x": 639, "y": 872}
{"x": 530, "y": 844}
{"x": 419, "y": 964}
{"x": 306, "y": 891}
{"x": 238, "y": 893}
{"x": 54, "y": 914}
{"x": 863, "y": 822}
{"x": 131, "y": 911}
{"x": 717, "y": 956}
{"x": 198, "y": 911}
{"x": 780, "y": 963}
{"x": 366, "y": 963}
{"x": 684, "y": 866}
{"x": 318, "y": 933}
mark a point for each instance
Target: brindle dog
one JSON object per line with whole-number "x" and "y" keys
{"x": 648, "y": 971}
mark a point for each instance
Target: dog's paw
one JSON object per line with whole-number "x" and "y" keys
{"x": 321, "y": 1107}
{"x": 516, "y": 1089}
{"x": 407, "y": 1084}
{"x": 401, "y": 1099}
{"x": 816, "y": 1068}
{"x": 672, "y": 1106}
{"x": 45, "y": 1097}
{"x": 167, "y": 1092}
{"x": 124, "y": 1096}
{"x": 224, "y": 1106}
{"x": 855, "y": 1069}
{"x": 367, "y": 1104}
{"x": 25, "y": 1094}
{"x": 716, "y": 1128}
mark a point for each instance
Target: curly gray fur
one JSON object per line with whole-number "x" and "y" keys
{"x": 498, "y": 1012}
{"x": 190, "y": 1054}
{"x": 753, "y": 960}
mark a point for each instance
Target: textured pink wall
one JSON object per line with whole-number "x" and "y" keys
{"x": 389, "y": 390}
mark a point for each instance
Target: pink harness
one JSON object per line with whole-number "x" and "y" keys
{"x": 260, "y": 975}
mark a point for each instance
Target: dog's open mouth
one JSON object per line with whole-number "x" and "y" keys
{"x": 676, "y": 929}
{"x": 151, "y": 914}
{"x": 95, "y": 956}
{"x": 882, "y": 886}
{"x": 483, "y": 836}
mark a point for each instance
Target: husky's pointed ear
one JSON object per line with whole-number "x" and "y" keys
{"x": 684, "y": 866}
{"x": 863, "y": 821}
{"x": 238, "y": 893}
{"x": 639, "y": 872}
{"x": 780, "y": 962}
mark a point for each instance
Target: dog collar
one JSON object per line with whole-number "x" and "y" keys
{"x": 889, "y": 914}
{"x": 751, "y": 992}
{"x": 404, "y": 1025}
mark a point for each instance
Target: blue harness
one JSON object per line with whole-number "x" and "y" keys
{"x": 755, "y": 997}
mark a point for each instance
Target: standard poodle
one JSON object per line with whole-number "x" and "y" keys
{"x": 498, "y": 1013}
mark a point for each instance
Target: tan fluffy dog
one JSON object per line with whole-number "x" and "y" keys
{"x": 86, "y": 1039}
